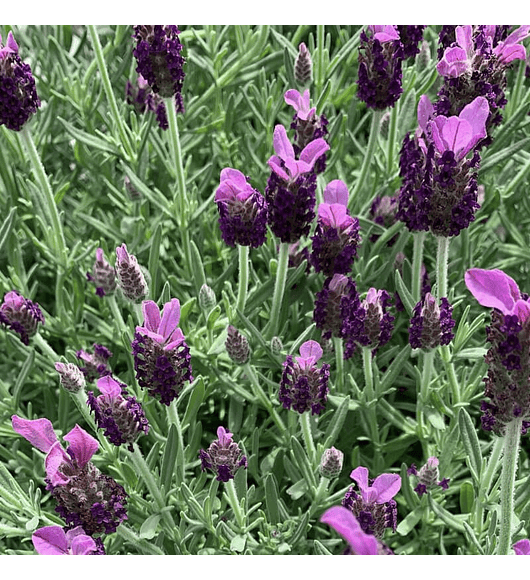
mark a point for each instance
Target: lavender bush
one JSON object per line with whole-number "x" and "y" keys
{"x": 264, "y": 290}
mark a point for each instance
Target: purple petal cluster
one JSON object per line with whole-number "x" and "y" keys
{"x": 380, "y": 58}
{"x": 431, "y": 324}
{"x": 96, "y": 364}
{"x": 103, "y": 275}
{"x": 21, "y": 315}
{"x": 18, "y": 95}
{"x": 304, "y": 385}
{"x": 223, "y": 457}
{"x": 411, "y": 37}
{"x": 130, "y": 277}
{"x": 143, "y": 99}
{"x": 242, "y": 210}
{"x": 161, "y": 356}
{"x": 158, "y": 52}
{"x": 427, "y": 476}
{"x": 237, "y": 346}
{"x": 117, "y": 413}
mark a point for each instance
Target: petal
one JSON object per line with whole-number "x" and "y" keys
{"x": 512, "y": 52}
{"x": 151, "y": 314}
{"x": 226, "y": 190}
{"x": 233, "y": 175}
{"x": 11, "y": 43}
{"x": 345, "y": 523}
{"x": 275, "y": 165}
{"x": 425, "y": 111}
{"x": 224, "y": 436}
{"x": 464, "y": 38}
{"x": 170, "y": 318}
{"x": 476, "y": 114}
{"x": 82, "y": 545}
{"x": 175, "y": 339}
{"x": 334, "y": 215}
{"x": 108, "y": 386}
{"x": 454, "y": 62}
{"x": 292, "y": 97}
{"x": 50, "y": 541}
{"x": 336, "y": 192}
{"x": 282, "y": 145}
{"x": 82, "y": 445}
{"x": 311, "y": 348}
{"x": 121, "y": 254}
{"x": 360, "y": 476}
{"x": 39, "y": 432}
{"x": 386, "y": 485}
{"x": 55, "y": 458}
{"x": 493, "y": 289}
{"x": 436, "y": 126}
{"x": 457, "y": 134}
{"x": 313, "y": 150}
{"x": 522, "y": 548}
{"x": 522, "y": 310}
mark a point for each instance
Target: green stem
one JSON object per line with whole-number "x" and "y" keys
{"x": 45, "y": 347}
{"x": 305, "y": 424}
{"x": 279, "y": 289}
{"x": 486, "y": 481}
{"x": 509, "y": 468}
{"x": 442, "y": 257}
{"x": 370, "y": 402}
{"x": 107, "y": 86}
{"x": 367, "y": 161}
{"x": 243, "y": 278}
{"x": 417, "y": 261}
{"x": 368, "y": 373}
{"x": 180, "y": 464}
{"x": 391, "y": 139}
{"x": 339, "y": 362}
{"x": 118, "y": 317}
{"x": 320, "y": 58}
{"x": 428, "y": 365}
{"x": 180, "y": 199}
{"x": 234, "y": 503}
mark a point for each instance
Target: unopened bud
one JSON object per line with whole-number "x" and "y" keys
{"x": 303, "y": 66}
{"x": 71, "y": 377}
{"x": 383, "y": 125}
{"x": 207, "y": 299}
{"x": 331, "y": 463}
{"x": 428, "y": 474}
{"x": 276, "y": 345}
{"x": 424, "y": 56}
{"x": 237, "y": 346}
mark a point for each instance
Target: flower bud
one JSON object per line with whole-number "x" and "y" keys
{"x": 303, "y": 65}
{"x": 207, "y": 299}
{"x": 331, "y": 463}
{"x": 237, "y": 346}
{"x": 72, "y": 379}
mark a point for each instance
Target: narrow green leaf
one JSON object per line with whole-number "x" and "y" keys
{"x": 169, "y": 458}
{"x": 271, "y": 498}
{"x": 238, "y": 543}
{"x": 447, "y": 517}
{"x": 470, "y": 440}
{"x": 195, "y": 401}
{"x": 154, "y": 255}
{"x": 336, "y": 423}
{"x": 89, "y": 139}
{"x": 7, "y": 226}
{"x": 467, "y": 497}
{"x": 410, "y": 521}
{"x": 404, "y": 294}
{"x": 148, "y": 528}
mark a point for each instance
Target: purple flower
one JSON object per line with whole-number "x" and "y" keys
{"x": 303, "y": 65}
{"x": 103, "y": 275}
{"x": 290, "y": 191}
{"x": 18, "y": 95}
{"x": 54, "y": 541}
{"x": 20, "y": 315}
{"x": 373, "y": 507}
{"x": 237, "y": 346}
{"x": 120, "y": 415}
{"x": 427, "y": 476}
{"x": 242, "y": 210}
{"x": 431, "y": 324}
{"x": 304, "y": 386}
{"x": 522, "y": 548}
{"x": 161, "y": 356}
{"x": 131, "y": 279}
{"x": 457, "y": 59}
{"x": 144, "y": 99}
{"x": 158, "y": 53}
{"x": 346, "y": 524}
{"x": 337, "y": 234}
{"x": 96, "y": 364}
{"x": 411, "y": 37}
{"x": 223, "y": 457}
{"x": 509, "y": 50}
{"x": 85, "y": 496}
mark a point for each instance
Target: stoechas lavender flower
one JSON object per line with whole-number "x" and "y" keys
{"x": 18, "y": 95}
{"x": 522, "y": 548}
{"x": 411, "y": 38}
{"x": 304, "y": 385}
{"x": 380, "y": 58}
{"x": 72, "y": 378}
{"x": 85, "y": 496}
{"x": 242, "y": 210}
{"x": 103, "y": 275}
{"x": 427, "y": 476}
{"x": 21, "y": 315}
{"x": 237, "y": 346}
{"x": 307, "y": 125}
{"x": 290, "y": 191}
{"x": 337, "y": 234}
{"x": 508, "y": 358}
{"x": 303, "y": 65}
{"x": 130, "y": 277}
{"x": 54, "y": 541}
{"x": 159, "y": 55}
{"x": 141, "y": 96}
{"x": 161, "y": 356}
{"x": 371, "y": 325}
{"x": 223, "y": 457}
{"x": 439, "y": 180}
{"x": 331, "y": 463}
{"x": 360, "y": 543}
{"x": 431, "y": 324}
{"x": 372, "y": 504}
{"x": 333, "y": 305}
{"x": 96, "y": 364}
{"x": 117, "y": 413}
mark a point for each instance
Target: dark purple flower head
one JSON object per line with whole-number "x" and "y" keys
{"x": 372, "y": 504}
{"x": 237, "y": 346}
{"x": 411, "y": 37}
{"x": 337, "y": 234}
{"x": 242, "y": 210}
{"x": 304, "y": 385}
{"x": 431, "y": 324}
{"x": 303, "y": 66}
{"x": 380, "y": 58}
{"x": 103, "y": 275}
{"x": 508, "y": 358}
{"x": 119, "y": 414}
{"x": 331, "y": 463}
{"x": 223, "y": 457}
{"x": 130, "y": 277}
{"x": 85, "y": 497}
{"x": 54, "y": 541}
{"x": 96, "y": 365}
{"x": 72, "y": 379}
{"x": 144, "y": 99}
{"x": 290, "y": 191}
{"x": 158, "y": 53}
{"x": 20, "y": 315}
{"x": 161, "y": 356}
{"x": 18, "y": 95}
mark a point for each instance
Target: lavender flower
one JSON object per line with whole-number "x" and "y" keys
{"x": 54, "y": 541}
{"x": 411, "y": 37}
{"x": 223, "y": 457}
{"x": 85, "y": 497}
{"x": 242, "y": 210}
{"x": 373, "y": 505}
{"x": 337, "y": 234}
{"x": 158, "y": 53}
{"x": 103, "y": 275}
{"x": 427, "y": 476}
{"x": 20, "y": 315}
{"x": 522, "y": 548}
{"x": 331, "y": 463}
{"x": 119, "y": 414}
{"x": 431, "y": 324}
{"x": 303, "y": 66}
{"x": 237, "y": 346}
{"x": 307, "y": 125}
{"x": 72, "y": 378}
{"x": 346, "y": 524}
{"x": 380, "y": 57}
{"x": 131, "y": 279}
{"x": 508, "y": 358}
{"x": 95, "y": 364}
{"x": 290, "y": 191}
{"x": 18, "y": 95}
{"x": 161, "y": 356}
{"x": 144, "y": 99}
{"x": 304, "y": 386}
